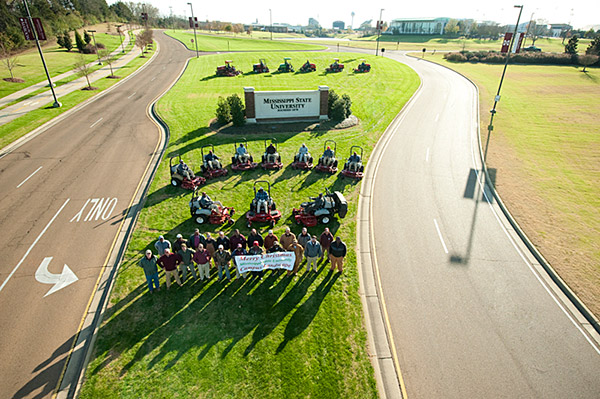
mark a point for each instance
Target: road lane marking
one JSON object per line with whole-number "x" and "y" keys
{"x": 59, "y": 281}
{"x": 440, "y": 235}
{"x": 132, "y": 94}
{"x": 427, "y": 156}
{"x": 33, "y": 245}
{"x": 437, "y": 117}
{"x": 101, "y": 208}
{"x": 152, "y": 80}
{"x": 95, "y": 123}
{"x": 30, "y": 176}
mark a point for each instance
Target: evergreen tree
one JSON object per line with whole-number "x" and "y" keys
{"x": 86, "y": 37}
{"x": 60, "y": 41}
{"x": 67, "y": 43}
{"x": 594, "y": 47}
{"x": 238, "y": 112}
{"x": 571, "y": 46}
{"x": 79, "y": 43}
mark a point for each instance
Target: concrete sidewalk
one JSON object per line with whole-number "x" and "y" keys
{"x": 14, "y": 111}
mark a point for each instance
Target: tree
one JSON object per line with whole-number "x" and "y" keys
{"x": 8, "y": 56}
{"x": 223, "y": 112}
{"x": 84, "y": 70}
{"x": 143, "y": 39}
{"x": 451, "y": 28}
{"x": 79, "y": 43}
{"x": 590, "y": 34}
{"x": 571, "y": 47}
{"x": 238, "y": 112}
{"x": 587, "y": 60}
{"x": 109, "y": 60}
{"x": 67, "y": 43}
{"x": 594, "y": 47}
{"x": 86, "y": 37}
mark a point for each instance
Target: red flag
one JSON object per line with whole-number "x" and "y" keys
{"x": 506, "y": 42}
{"x": 519, "y": 42}
{"x": 39, "y": 28}
{"x": 27, "y": 29}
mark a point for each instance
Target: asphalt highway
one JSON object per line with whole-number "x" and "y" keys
{"x": 471, "y": 314}
{"x": 65, "y": 193}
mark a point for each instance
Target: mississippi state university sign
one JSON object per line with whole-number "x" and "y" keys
{"x": 286, "y": 106}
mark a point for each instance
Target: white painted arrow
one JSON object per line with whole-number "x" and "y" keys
{"x": 62, "y": 280}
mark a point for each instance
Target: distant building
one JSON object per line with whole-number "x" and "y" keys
{"x": 366, "y": 26}
{"x": 341, "y": 25}
{"x": 558, "y": 29}
{"x": 279, "y": 28}
{"x": 418, "y": 26}
{"x": 313, "y": 23}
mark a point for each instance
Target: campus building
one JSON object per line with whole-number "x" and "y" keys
{"x": 418, "y": 26}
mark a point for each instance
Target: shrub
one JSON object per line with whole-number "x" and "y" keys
{"x": 86, "y": 37}
{"x": 89, "y": 49}
{"x": 67, "y": 43}
{"x": 223, "y": 113}
{"x": 338, "y": 110}
{"x": 347, "y": 105}
{"x": 237, "y": 110}
{"x": 60, "y": 41}
{"x": 455, "y": 57}
{"x": 330, "y": 100}
{"x": 79, "y": 43}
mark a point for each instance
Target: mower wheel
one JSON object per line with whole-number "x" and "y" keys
{"x": 325, "y": 219}
{"x": 230, "y": 222}
{"x": 272, "y": 223}
{"x": 249, "y": 224}
{"x": 200, "y": 219}
{"x": 174, "y": 182}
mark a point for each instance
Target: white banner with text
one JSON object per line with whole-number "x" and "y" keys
{"x": 287, "y": 104}
{"x": 257, "y": 263}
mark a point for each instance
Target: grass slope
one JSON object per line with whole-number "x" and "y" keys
{"x": 546, "y": 149}
{"x": 280, "y": 337}
{"x": 227, "y": 43}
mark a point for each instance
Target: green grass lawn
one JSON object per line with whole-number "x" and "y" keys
{"x": 227, "y": 43}
{"x": 58, "y": 60}
{"x": 19, "y": 127}
{"x": 546, "y": 149}
{"x": 280, "y": 337}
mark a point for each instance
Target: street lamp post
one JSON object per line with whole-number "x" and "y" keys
{"x": 121, "y": 37}
{"x": 497, "y": 98}
{"x": 271, "y": 23}
{"x": 194, "y": 26}
{"x": 37, "y": 43}
{"x": 528, "y": 26}
{"x": 379, "y": 23}
{"x": 95, "y": 45}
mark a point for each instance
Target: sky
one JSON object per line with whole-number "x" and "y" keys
{"x": 581, "y": 14}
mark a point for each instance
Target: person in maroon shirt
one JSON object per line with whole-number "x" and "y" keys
{"x": 202, "y": 259}
{"x": 169, "y": 262}
{"x": 326, "y": 240}
{"x": 270, "y": 240}
{"x": 236, "y": 239}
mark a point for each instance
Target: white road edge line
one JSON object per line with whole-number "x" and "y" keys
{"x": 427, "y": 155}
{"x": 33, "y": 245}
{"x": 440, "y": 235}
{"x": 132, "y": 94}
{"x": 30, "y": 176}
{"x": 95, "y": 123}
{"x": 437, "y": 117}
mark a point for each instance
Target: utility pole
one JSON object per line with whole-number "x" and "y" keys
{"x": 271, "y": 23}
{"x": 497, "y": 98}
{"x": 37, "y": 43}
{"x": 379, "y": 26}
{"x": 194, "y": 26}
{"x": 121, "y": 37}
{"x": 95, "y": 45}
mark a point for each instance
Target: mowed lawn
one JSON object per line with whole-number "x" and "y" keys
{"x": 546, "y": 149}
{"x": 276, "y": 338}
{"x": 227, "y": 43}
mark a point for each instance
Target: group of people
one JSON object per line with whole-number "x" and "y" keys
{"x": 196, "y": 254}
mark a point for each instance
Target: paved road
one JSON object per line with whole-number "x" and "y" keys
{"x": 471, "y": 314}
{"x": 64, "y": 196}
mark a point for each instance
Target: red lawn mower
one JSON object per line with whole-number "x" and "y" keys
{"x": 205, "y": 210}
{"x": 321, "y": 209}
{"x": 363, "y": 67}
{"x": 353, "y": 167}
{"x": 212, "y": 167}
{"x": 335, "y": 67}
{"x": 261, "y": 67}
{"x": 328, "y": 162}
{"x": 271, "y": 159}
{"x": 262, "y": 207}
{"x": 307, "y": 67}
{"x": 242, "y": 161}
{"x": 182, "y": 175}
{"x": 228, "y": 69}
{"x": 303, "y": 160}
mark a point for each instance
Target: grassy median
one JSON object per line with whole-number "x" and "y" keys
{"x": 281, "y": 337}
{"x": 546, "y": 149}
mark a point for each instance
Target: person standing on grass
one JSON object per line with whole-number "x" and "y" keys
{"x": 223, "y": 240}
{"x": 161, "y": 245}
{"x": 211, "y": 246}
{"x": 303, "y": 238}
{"x": 270, "y": 240}
{"x": 222, "y": 259}
{"x": 186, "y": 255}
{"x": 177, "y": 244}
{"x": 196, "y": 239}
{"x": 326, "y": 240}
{"x": 202, "y": 259}
{"x": 276, "y": 247}
{"x": 313, "y": 252}
{"x": 298, "y": 250}
{"x": 337, "y": 252}
{"x": 237, "y": 238}
{"x": 256, "y": 249}
{"x": 238, "y": 251}
{"x": 169, "y": 262}
{"x": 287, "y": 238}
{"x": 148, "y": 263}
{"x": 254, "y": 236}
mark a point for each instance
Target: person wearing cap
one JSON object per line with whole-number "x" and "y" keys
{"x": 270, "y": 239}
{"x": 237, "y": 238}
{"x": 287, "y": 238}
{"x": 326, "y": 240}
{"x": 222, "y": 258}
{"x": 337, "y": 252}
{"x": 313, "y": 251}
{"x": 177, "y": 243}
{"x": 254, "y": 236}
{"x": 169, "y": 262}
{"x": 298, "y": 250}
{"x": 327, "y": 158}
{"x": 223, "y": 240}
{"x": 186, "y": 255}
{"x": 148, "y": 263}
{"x": 303, "y": 237}
{"x": 238, "y": 251}
{"x": 202, "y": 259}
{"x": 276, "y": 247}
{"x": 256, "y": 249}
{"x": 161, "y": 245}
{"x": 196, "y": 239}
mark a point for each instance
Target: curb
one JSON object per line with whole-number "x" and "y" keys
{"x": 589, "y": 316}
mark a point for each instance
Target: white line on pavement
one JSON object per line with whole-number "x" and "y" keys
{"x": 31, "y": 175}
{"x": 440, "y": 235}
{"x": 33, "y": 245}
{"x": 95, "y": 123}
{"x": 437, "y": 117}
{"x": 427, "y": 156}
{"x": 152, "y": 80}
{"x": 132, "y": 94}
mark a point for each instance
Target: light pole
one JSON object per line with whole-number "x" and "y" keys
{"x": 379, "y": 23}
{"x": 528, "y": 26}
{"x": 37, "y": 43}
{"x": 497, "y": 98}
{"x": 121, "y": 37}
{"x": 271, "y": 23}
{"x": 95, "y": 45}
{"x": 194, "y": 26}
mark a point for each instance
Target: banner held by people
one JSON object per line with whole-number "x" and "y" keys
{"x": 256, "y": 263}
